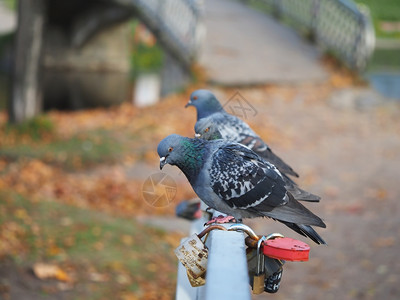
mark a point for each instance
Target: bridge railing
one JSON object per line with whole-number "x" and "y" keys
{"x": 339, "y": 26}
{"x": 227, "y": 272}
{"x": 176, "y": 24}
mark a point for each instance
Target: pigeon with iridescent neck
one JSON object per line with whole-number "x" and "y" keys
{"x": 234, "y": 129}
{"x": 206, "y": 129}
{"x": 234, "y": 180}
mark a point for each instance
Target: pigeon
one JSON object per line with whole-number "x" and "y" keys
{"x": 189, "y": 209}
{"x": 234, "y": 180}
{"x": 234, "y": 129}
{"x": 207, "y": 130}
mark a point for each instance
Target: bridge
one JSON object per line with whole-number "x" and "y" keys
{"x": 248, "y": 46}
{"x": 236, "y": 44}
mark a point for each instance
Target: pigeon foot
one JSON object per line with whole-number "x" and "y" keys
{"x": 221, "y": 220}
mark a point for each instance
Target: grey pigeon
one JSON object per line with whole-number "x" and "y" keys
{"x": 234, "y": 129}
{"x": 189, "y": 209}
{"x": 233, "y": 179}
{"x": 206, "y": 129}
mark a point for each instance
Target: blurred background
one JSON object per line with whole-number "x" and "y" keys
{"x": 89, "y": 88}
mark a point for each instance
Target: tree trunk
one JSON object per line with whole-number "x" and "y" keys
{"x": 25, "y": 101}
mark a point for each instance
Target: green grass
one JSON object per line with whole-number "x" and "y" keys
{"x": 36, "y": 128}
{"x": 11, "y": 4}
{"x": 388, "y": 10}
{"x": 145, "y": 58}
{"x": 383, "y": 10}
{"x": 385, "y": 60}
{"x": 5, "y": 43}
{"x": 86, "y": 228}
{"x": 86, "y": 239}
{"x": 4, "y": 90}
{"x": 81, "y": 150}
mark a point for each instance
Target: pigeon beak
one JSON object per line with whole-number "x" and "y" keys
{"x": 197, "y": 135}
{"x": 188, "y": 104}
{"x": 163, "y": 162}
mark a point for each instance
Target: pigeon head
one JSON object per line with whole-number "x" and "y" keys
{"x": 206, "y": 129}
{"x": 170, "y": 150}
{"x": 205, "y": 102}
{"x": 185, "y": 153}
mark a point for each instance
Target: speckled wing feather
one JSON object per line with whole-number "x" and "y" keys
{"x": 256, "y": 144}
{"x": 231, "y": 127}
{"x": 246, "y": 182}
{"x": 234, "y": 129}
{"x": 243, "y": 181}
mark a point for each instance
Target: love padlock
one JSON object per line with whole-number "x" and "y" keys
{"x": 193, "y": 254}
{"x": 272, "y": 267}
{"x": 259, "y": 276}
{"x": 195, "y": 282}
{"x": 287, "y": 249}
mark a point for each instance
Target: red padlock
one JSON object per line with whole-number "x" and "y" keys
{"x": 286, "y": 249}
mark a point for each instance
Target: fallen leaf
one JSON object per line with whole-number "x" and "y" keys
{"x": 97, "y": 277}
{"x": 127, "y": 239}
{"x": 384, "y": 242}
{"x": 50, "y": 271}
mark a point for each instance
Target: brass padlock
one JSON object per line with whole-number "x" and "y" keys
{"x": 193, "y": 254}
{"x": 259, "y": 276}
{"x": 195, "y": 282}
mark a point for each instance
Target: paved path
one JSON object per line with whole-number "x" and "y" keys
{"x": 244, "y": 46}
{"x": 7, "y": 19}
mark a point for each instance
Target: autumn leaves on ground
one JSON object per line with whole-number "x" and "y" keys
{"x": 69, "y": 197}
{"x": 66, "y": 201}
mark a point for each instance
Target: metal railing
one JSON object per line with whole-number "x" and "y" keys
{"x": 339, "y": 26}
{"x": 227, "y": 275}
{"x": 176, "y": 24}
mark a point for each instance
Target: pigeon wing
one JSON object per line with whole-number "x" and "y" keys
{"x": 247, "y": 182}
{"x": 256, "y": 144}
{"x": 234, "y": 129}
{"x": 243, "y": 181}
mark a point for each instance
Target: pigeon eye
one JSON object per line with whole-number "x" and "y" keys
{"x": 195, "y": 98}
{"x": 170, "y": 149}
{"x": 207, "y": 129}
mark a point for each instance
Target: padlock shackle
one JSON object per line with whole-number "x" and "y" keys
{"x": 260, "y": 256}
{"x": 210, "y": 228}
{"x": 252, "y": 243}
{"x": 234, "y": 227}
{"x": 244, "y": 228}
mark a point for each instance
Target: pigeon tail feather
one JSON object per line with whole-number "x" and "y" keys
{"x": 292, "y": 212}
{"x": 306, "y": 231}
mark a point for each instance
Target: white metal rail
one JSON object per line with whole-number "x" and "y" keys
{"x": 176, "y": 24}
{"x": 340, "y": 26}
{"x": 227, "y": 274}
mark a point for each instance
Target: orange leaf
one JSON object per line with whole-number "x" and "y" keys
{"x": 49, "y": 271}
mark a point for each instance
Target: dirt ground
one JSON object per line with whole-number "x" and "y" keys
{"x": 346, "y": 148}
{"x": 351, "y": 157}
{"x": 346, "y": 152}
